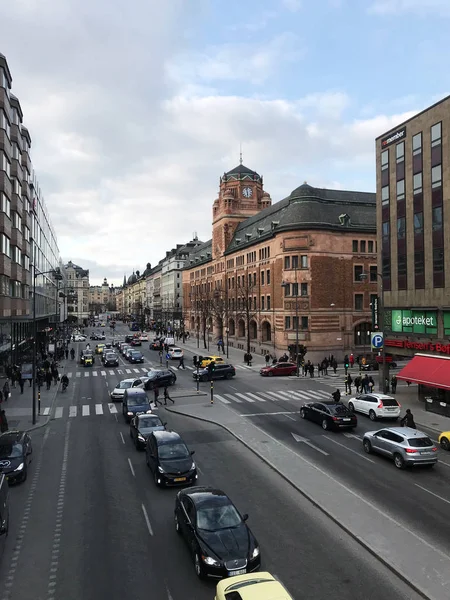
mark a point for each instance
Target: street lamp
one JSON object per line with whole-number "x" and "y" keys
{"x": 285, "y": 285}
{"x": 57, "y": 275}
{"x": 383, "y": 374}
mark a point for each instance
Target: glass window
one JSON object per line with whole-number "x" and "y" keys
{"x": 355, "y": 246}
{"x": 370, "y": 247}
{"x": 373, "y": 273}
{"x": 268, "y": 302}
{"x": 5, "y": 204}
{"x": 436, "y": 176}
{"x": 418, "y": 222}
{"x": 295, "y": 289}
{"x": 262, "y": 277}
{"x": 268, "y": 277}
{"x": 401, "y": 227}
{"x": 17, "y": 220}
{"x": 401, "y": 264}
{"x": 304, "y": 289}
{"x": 385, "y": 194}
{"x": 294, "y": 322}
{"x": 400, "y": 151}
{"x": 287, "y": 262}
{"x": 385, "y": 159}
{"x": 363, "y": 246}
{"x": 419, "y": 263}
{"x": 305, "y": 324}
{"x": 5, "y": 245}
{"x": 385, "y": 229}
{"x": 295, "y": 262}
{"x": 287, "y": 289}
{"x": 438, "y": 260}
{"x": 304, "y": 261}
{"x": 436, "y": 134}
{"x": 5, "y": 165}
{"x": 357, "y": 272}
{"x": 437, "y": 218}
{"x": 262, "y": 303}
{"x": 287, "y": 322}
{"x": 417, "y": 183}
{"x": 400, "y": 189}
{"x": 417, "y": 143}
{"x": 359, "y": 298}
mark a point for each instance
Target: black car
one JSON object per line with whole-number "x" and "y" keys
{"x": 221, "y": 543}
{"x": 136, "y": 342}
{"x": 220, "y": 372}
{"x": 169, "y": 459}
{"x": 142, "y": 426}
{"x": 15, "y": 455}
{"x": 329, "y": 414}
{"x": 135, "y": 402}
{"x": 160, "y": 378}
{"x": 111, "y": 360}
{"x": 135, "y": 357}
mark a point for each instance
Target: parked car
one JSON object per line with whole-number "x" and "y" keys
{"x": 281, "y": 368}
{"x": 405, "y": 446}
{"x": 376, "y": 406}
{"x": 329, "y": 414}
{"x": 220, "y": 372}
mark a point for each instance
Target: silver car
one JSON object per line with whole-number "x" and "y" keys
{"x": 405, "y": 446}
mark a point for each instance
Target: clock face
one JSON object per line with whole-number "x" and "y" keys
{"x": 247, "y": 192}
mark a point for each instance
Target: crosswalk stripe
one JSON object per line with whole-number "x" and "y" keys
{"x": 245, "y": 397}
{"x": 103, "y": 373}
{"x": 136, "y": 370}
{"x": 78, "y": 374}
{"x": 233, "y": 398}
{"x": 112, "y": 408}
{"x": 86, "y": 373}
{"x": 58, "y": 412}
{"x": 128, "y": 370}
{"x": 288, "y": 395}
{"x": 85, "y": 410}
{"x": 144, "y": 369}
{"x": 274, "y": 394}
{"x": 72, "y": 411}
{"x": 256, "y": 397}
{"x": 224, "y": 400}
{"x": 69, "y": 375}
{"x": 111, "y": 372}
{"x": 301, "y": 395}
{"x": 190, "y": 368}
{"x": 314, "y": 394}
{"x": 241, "y": 367}
{"x": 94, "y": 373}
{"x": 120, "y": 371}
{"x": 46, "y": 411}
{"x": 266, "y": 395}
{"x": 98, "y": 409}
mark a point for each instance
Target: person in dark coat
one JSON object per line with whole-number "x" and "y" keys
{"x": 336, "y": 396}
{"x": 3, "y": 421}
{"x": 167, "y": 396}
{"x": 408, "y": 420}
{"x": 156, "y": 396}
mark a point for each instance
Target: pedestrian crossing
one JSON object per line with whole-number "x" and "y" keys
{"x": 255, "y": 397}
{"x": 84, "y": 410}
{"x": 242, "y": 367}
{"x": 126, "y": 372}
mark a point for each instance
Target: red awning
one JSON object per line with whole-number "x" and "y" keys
{"x": 432, "y": 371}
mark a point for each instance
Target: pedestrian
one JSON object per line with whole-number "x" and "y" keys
{"x": 3, "y": 421}
{"x": 348, "y": 384}
{"x": 1, "y": 397}
{"x": 267, "y": 359}
{"x": 352, "y": 360}
{"x": 67, "y": 353}
{"x": 393, "y": 384}
{"x": 336, "y": 396}
{"x": 6, "y": 390}
{"x": 167, "y": 396}
{"x": 48, "y": 379}
{"x": 156, "y": 396}
{"x": 408, "y": 420}
{"x": 21, "y": 382}
{"x": 181, "y": 363}
{"x": 55, "y": 375}
{"x": 358, "y": 383}
{"x": 371, "y": 384}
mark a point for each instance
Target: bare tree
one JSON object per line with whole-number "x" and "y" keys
{"x": 203, "y": 301}
{"x": 246, "y": 305}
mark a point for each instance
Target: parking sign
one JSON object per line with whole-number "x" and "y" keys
{"x": 377, "y": 340}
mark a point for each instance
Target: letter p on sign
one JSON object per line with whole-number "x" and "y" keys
{"x": 377, "y": 340}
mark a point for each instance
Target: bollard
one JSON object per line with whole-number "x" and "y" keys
{"x": 160, "y": 358}
{"x": 198, "y": 380}
{"x": 167, "y": 363}
{"x": 39, "y": 403}
{"x": 212, "y": 391}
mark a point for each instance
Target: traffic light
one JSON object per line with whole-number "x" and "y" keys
{"x": 200, "y": 360}
{"x": 212, "y": 367}
{"x": 195, "y": 360}
{"x": 346, "y": 363}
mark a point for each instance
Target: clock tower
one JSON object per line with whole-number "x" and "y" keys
{"x": 241, "y": 195}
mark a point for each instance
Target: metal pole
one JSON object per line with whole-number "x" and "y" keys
{"x": 383, "y": 373}
{"x": 198, "y": 381}
{"x": 296, "y": 328}
{"x": 227, "y": 341}
{"x": 33, "y": 407}
{"x": 212, "y": 392}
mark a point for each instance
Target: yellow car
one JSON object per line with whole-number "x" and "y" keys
{"x": 208, "y": 359}
{"x": 444, "y": 440}
{"x": 99, "y": 348}
{"x": 103, "y": 325}
{"x": 253, "y": 586}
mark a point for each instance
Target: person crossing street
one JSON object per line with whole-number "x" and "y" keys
{"x": 167, "y": 396}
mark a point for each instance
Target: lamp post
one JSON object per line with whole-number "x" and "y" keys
{"x": 285, "y": 285}
{"x": 383, "y": 372}
{"x": 57, "y": 274}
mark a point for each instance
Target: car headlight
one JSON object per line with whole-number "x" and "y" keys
{"x": 20, "y": 467}
{"x": 208, "y": 560}
{"x": 130, "y": 414}
{"x": 160, "y": 469}
{"x": 192, "y": 466}
{"x": 141, "y": 438}
{"x": 255, "y": 552}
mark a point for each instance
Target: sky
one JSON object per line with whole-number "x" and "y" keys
{"x": 137, "y": 107}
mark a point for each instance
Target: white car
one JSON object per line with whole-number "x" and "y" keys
{"x": 78, "y": 338}
{"x": 119, "y": 391}
{"x": 143, "y": 337}
{"x": 175, "y": 353}
{"x": 376, "y": 406}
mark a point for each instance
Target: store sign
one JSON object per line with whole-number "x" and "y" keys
{"x": 419, "y": 346}
{"x": 414, "y": 321}
{"x": 375, "y": 314}
{"x": 397, "y": 136}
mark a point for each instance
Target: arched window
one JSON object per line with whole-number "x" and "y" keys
{"x": 241, "y": 328}
{"x": 253, "y": 330}
{"x": 266, "y": 331}
{"x": 231, "y": 327}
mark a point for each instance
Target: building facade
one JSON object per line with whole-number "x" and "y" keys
{"x": 28, "y": 245}
{"x": 153, "y": 293}
{"x": 304, "y": 267}
{"x": 413, "y": 182}
{"x": 77, "y": 293}
{"x": 102, "y": 298}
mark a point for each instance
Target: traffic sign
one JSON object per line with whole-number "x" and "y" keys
{"x": 377, "y": 340}
{"x": 167, "y": 356}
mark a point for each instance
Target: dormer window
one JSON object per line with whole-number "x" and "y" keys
{"x": 260, "y": 230}
{"x": 238, "y": 241}
{"x": 275, "y": 224}
{"x": 248, "y": 235}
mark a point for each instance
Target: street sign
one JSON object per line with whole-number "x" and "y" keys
{"x": 377, "y": 340}
{"x": 167, "y": 356}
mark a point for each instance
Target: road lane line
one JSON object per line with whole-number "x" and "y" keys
{"x": 256, "y": 397}
{"x": 98, "y": 409}
{"x": 352, "y": 435}
{"x": 224, "y": 400}
{"x": 244, "y": 397}
{"x": 58, "y": 412}
{"x": 112, "y": 408}
{"x": 301, "y": 396}
{"x": 288, "y": 395}
{"x": 147, "y": 520}
{"x": 290, "y": 417}
{"x": 46, "y": 411}
{"x": 72, "y": 411}
{"x": 94, "y": 373}
{"x": 268, "y": 396}
{"x": 349, "y": 449}
{"x": 302, "y": 440}
{"x": 131, "y": 468}
{"x": 111, "y": 372}
{"x": 432, "y": 493}
{"x": 85, "y": 410}
{"x": 119, "y": 371}
{"x": 275, "y": 395}
{"x": 136, "y": 370}
{"x": 233, "y": 398}
{"x": 266, "y": 414}
{"x": 127, "y": 370}
{"x": 121, "y": 437}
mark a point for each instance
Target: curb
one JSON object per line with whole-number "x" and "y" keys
{"x": 47, "y": 418}
{"x": 315, "y": 503}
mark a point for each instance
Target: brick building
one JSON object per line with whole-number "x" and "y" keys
{"x": 269, "y": 269}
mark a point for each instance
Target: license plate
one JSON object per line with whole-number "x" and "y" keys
{"x": 180, "y": 479}
{"x": 346, "y": 420}
{"x": 391, "y": 409}
{"x": 426, "y": 452}
{"x": 238, "y": 572}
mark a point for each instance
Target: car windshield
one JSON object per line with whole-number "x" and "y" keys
{"x": 153, "y": 374}
{"x": 173, "y": 451}
{"x": 389, "y": 402}
{"x": 340, "y": 409}
{"x": 11, "y": 450}
{"x": 420, "y": 442}
{"x": 110, "y": 355}
{"x": 146, "y": 422}
{"x": 137, "y": 401}
{"x": 138, "y": 354}
{"x": 213, "y": 518}
{"x": 124, "y": 385}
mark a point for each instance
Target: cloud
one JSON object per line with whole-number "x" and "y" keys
{"x": 418, "y": 7}
{"x": 292, "y": 5}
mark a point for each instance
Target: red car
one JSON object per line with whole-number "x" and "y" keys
{"x": 281, "y": 368}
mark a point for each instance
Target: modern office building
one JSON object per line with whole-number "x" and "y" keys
{"x": 27, "y": 238}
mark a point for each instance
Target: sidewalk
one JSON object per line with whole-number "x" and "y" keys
{"x": 235, "y": 355}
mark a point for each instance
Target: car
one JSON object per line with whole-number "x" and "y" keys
{"x": 208, "y": 359}
{"x": 404, "y": 445}
{"x": 129, "y": 339}
{"x": 444, "y": 440}
{"x": 99, "y": 348}
{"x": 136, "y": 342}
{"x": 169, "y": 459}
{"x": 207, "y": 519}
{"x": 94, "y": 336}
{"x": 129, "y": 352}
{"x": 15, "y": 455}
{"x": 111, "y": 360}
{"x": 119, "y": 391}
{"x": 329, "y": 414}
{"x": 259, "y": 586}
{"x": 175, "y": 353}
{"x": 103, "y": 325}
{"x": 125, "y": 349}
{"x": 135, "y": 402}
{"x": 142, "y": 426}
{"x": 135, "y": 356}
{"x": 143, "y": 337}
{"x": 160, "y": 378}
{"x": 376, "y": 406}
{"x": 155, "y": 345}
{"x": 281, "y": 368}
{"x": 78, "y": 338}
{"x": 374, "y": 363}
{"x": 87, "y": 358}
{"x": 220, "y": 372}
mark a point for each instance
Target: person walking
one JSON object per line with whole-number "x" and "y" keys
{"x": 48, "y": 379}
{"x": 267, "y": 359}
{"x": 181, "y": 363}
{"x": 6, "y": 390}
{"x": 167, "y": 396}
{"x": 21, "y": 382}
{"x": 3, "y": 421}
{"x": 67, "y": 353}
{"x": 156, "y": 396}
{"x": 336, "y": 396}
{"x": 408, "y": 420}
{"x": 393, "y": 384}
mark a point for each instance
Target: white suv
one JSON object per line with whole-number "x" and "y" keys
{"x": 376, "y": 406}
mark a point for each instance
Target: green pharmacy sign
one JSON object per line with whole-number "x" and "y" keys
{"x": 414, "y": 321}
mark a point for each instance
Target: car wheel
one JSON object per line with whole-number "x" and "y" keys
{"x": 172, "y": 381}
{"x": 155, "y": 478}
{"x": 325, "y": 425}
{"x": 198, "y": 566}
{"x": 351, "y": 406}
{"x": 270, "y": 374}
{"x": 25, "y": 474}
{"x": 203, "y": 378}
{"x": 367, "y": 446}
{"x": 177, "y": 525}
{"x": 399, "y": 461}
{"x": 445, "y": 444}
{"x": 303, "y": 413}
{"x": 372, "y": 415}
{"x": 229, "y": 376}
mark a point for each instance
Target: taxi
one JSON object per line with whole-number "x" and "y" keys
{"x": 252, "y": 586}
{"x": 209, "y": 359}
{"x": 444, "y": 440}
{"x": 87, "y": 358}
{"x": 99, "y": 348}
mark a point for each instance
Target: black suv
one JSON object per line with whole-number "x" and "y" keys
{"x": 15, "y": 455}
{"x": 160, "y": 378}
{"x": 169, "y": 459}
{"x": 220, "y": 372}
{"x": 135, "y": 402}
{"x": 111, "y": 359}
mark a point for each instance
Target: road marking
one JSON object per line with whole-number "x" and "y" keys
{"x": 103, "y": 373}
{"x": 69, "y": 375}
{"x": 268, "y": 396}
{"x": 86, "y": 373}
{"x": 85, "y": 410}
{"x": 98, "y": 409}
{"x": 432, "y": 493}
{"x": 275, "y": 395}
{"x": 233, "y": 398}
{"x": 136, "y": 370}
{"x": 111, "y": 372}
{"x": 266, "y": 414}
{"x": 127, "y": 370}
{"x": 224, "y": 400}
{"x": 290, "y": 417}
{"x": 58, "y": 412}
{"x": 121, "y": 437}
{"x": 349, "y": 449}
{"x": 72, "y": 411}
{"x": 288, "y": 395}
{"x": 112, "y": 408}
{"x": 78, "y": 374}
{"x": 301, "y": 396}
{"x": 120, "y": 371}
{"x": 256, "y": 397}
{"x": 46, "y": 411}
{"x": 303, "y": 440}
{"x": 352, "y": 435}
{"x": 94, "y": 373}
{"x": 245, "y": 397}
{"x": 147, "y": 520}
{"x": 131, "y": 468}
